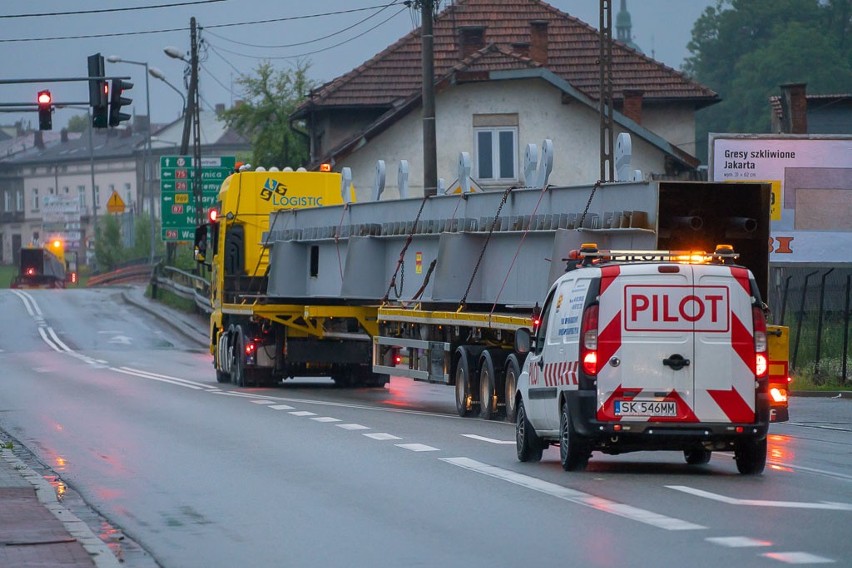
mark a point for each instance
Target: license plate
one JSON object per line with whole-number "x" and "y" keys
{"x": 645, "y": 408}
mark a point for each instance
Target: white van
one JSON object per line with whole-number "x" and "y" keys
{"x": 647, "y": 350}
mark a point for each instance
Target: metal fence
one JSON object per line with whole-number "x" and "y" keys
{"x": 815, "y": 303}
{"x": 182, "y": 284}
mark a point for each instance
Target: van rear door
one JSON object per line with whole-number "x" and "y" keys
{"x": 724, "y": 347}
{"x": 646, "y": 351}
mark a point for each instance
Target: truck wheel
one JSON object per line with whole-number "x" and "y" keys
{"x": 697, "y": 456}
{"x": 487, "y": 387}
{"x": 573, "y": 451}
{"x": 238, "y": 365}
{"x": 750, "y": 456}
{"x": 510, "y": 384}
{"x": 527, "y": 443}
{"x": 464, "y": 392}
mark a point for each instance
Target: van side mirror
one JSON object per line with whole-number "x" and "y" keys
{"x": 199, "y": 249}
{"x": 522, "y": 341}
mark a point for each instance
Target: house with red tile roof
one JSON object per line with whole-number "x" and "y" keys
{"x": 507, "y": 73}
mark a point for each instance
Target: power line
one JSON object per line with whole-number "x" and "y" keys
{"x": 183, "y": 29}
{"x": 82, "y": 12}
{"x": 338, "y": 32}
{"x": 316, "y": 50}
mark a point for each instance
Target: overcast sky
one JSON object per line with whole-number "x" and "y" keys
{"x": 335, "y": 36}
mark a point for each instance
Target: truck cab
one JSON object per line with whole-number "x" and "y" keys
{"x": 648, "y": 350}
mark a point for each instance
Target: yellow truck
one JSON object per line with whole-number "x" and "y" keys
{"x": 260, "y": 339}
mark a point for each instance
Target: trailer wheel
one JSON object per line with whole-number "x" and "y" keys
{"x": 222, "y": 375}
{"x": 510, "y": 385}
{"x": 697, "y": 456}
{"x": 750, "y": 456}
{"x": 573, "y": 451}
{"x": 527, "y": 442}
{"x": 238, "y": 365}
{"x": 489, "y": 383}
{"x": 464, "y": 387}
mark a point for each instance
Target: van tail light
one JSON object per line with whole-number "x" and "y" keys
{"x": 589, "y": 340}
{"x": 761, "y": 356}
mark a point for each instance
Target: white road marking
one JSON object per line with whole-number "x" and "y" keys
{"x": 737, "y": 541}
{"x": 383, "y": 436}
{"x": 326, "y": 419}
{"x": 417, "y": 447}
{"x": 262, "y": 401}
{"x": 489, "y": 440}
{"x": 796, "y": 467}
{"x": 303, "y": 413}
{"x": 352, "y": 426}
{"x": 825, "y": 505}
{"x": 798, "y": 558}
{"x": 122, "y": 339}
{"x": 280, "y": 407}
{"x": 159, "y": 378}
{"x": 578, "y": 497}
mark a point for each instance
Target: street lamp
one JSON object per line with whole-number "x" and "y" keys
{"x": 147, "y": 159}
{"x": 157, "y": 74}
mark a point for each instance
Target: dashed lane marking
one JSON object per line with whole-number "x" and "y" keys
{"x": 578, "y": 497}
{"x": 303, "y": 413}
{"x": 489, "y": 440}
{"x": 417, "y": 447}
{"x": 353, "y": 426}
{"x": 824, "y": 505}
{"x": 383, "y": 436}
{"x": 798, "y": 558}
{"x": 280, "y": 407}
{"x": 737, "y": 541}
{"x": 326, "y": 419}
{"x": 263, "y": 401}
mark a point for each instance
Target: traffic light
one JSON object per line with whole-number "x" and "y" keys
{"x": 45, "y": 110}
{"x": 116, "y": 101}
{"x": 98, "y": 91}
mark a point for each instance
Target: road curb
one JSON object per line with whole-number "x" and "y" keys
{"x": 100, "y": 553}
{"x": 186, "y": 329}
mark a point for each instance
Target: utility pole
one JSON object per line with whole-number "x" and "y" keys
{"x": 430, "y": 157}
{"x": 605, "y": 63}
{"x": 196, "y": 127}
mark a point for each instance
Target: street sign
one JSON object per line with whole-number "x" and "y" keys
{"x": 115, "y": 204}
{"x": 178, "y": 196}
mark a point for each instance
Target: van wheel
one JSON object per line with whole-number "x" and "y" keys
{"x": 527, "y": 442}
{"x": 487, "y": 387}
{"x": 464, "y": 390}
{"x": 510, "y": 384}
{"x": 750, "y": 456}
{"x": 573, "y": 452}
{"x": 697, "y": 457}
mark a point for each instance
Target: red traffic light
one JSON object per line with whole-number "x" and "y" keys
{"x": 45, "y": 108}
{"x": 44, "y": 98}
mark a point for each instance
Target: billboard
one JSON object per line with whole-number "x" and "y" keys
{"x": 811, "y": 179}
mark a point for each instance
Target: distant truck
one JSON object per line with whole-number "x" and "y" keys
{"x": 45, "y": 267}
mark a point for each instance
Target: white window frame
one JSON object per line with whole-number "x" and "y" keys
{"x": 19, "y": 200}
{"x": 495, "y": 132}
{"x": 35, "y": 199}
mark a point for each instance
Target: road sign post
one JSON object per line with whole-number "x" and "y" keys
{"x": 177, "y": 191}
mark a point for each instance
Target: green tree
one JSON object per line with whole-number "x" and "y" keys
{"x": 745, "y": 49}
{"x": 109, "y": 250}
{"x": 270, "y": 96}
{"x": 78, "y": 123}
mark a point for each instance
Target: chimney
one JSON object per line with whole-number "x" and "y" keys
{"x": 471, "y": 40}
{"x": 38, "y": 139}
{"x": 794, "y": 108}
{"x": 632, "y": 108}
{"x": 63, "y": 135}
{"x": 538, "y": 41}
{"x": 521, "y": 48}
{"x": 220, "y": 108}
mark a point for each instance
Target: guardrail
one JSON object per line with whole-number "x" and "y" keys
{"x": 182, "y": 284}
{"x": 126, "y": 275}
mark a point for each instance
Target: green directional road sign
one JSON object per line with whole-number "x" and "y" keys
{"x": 178, "y": 196}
